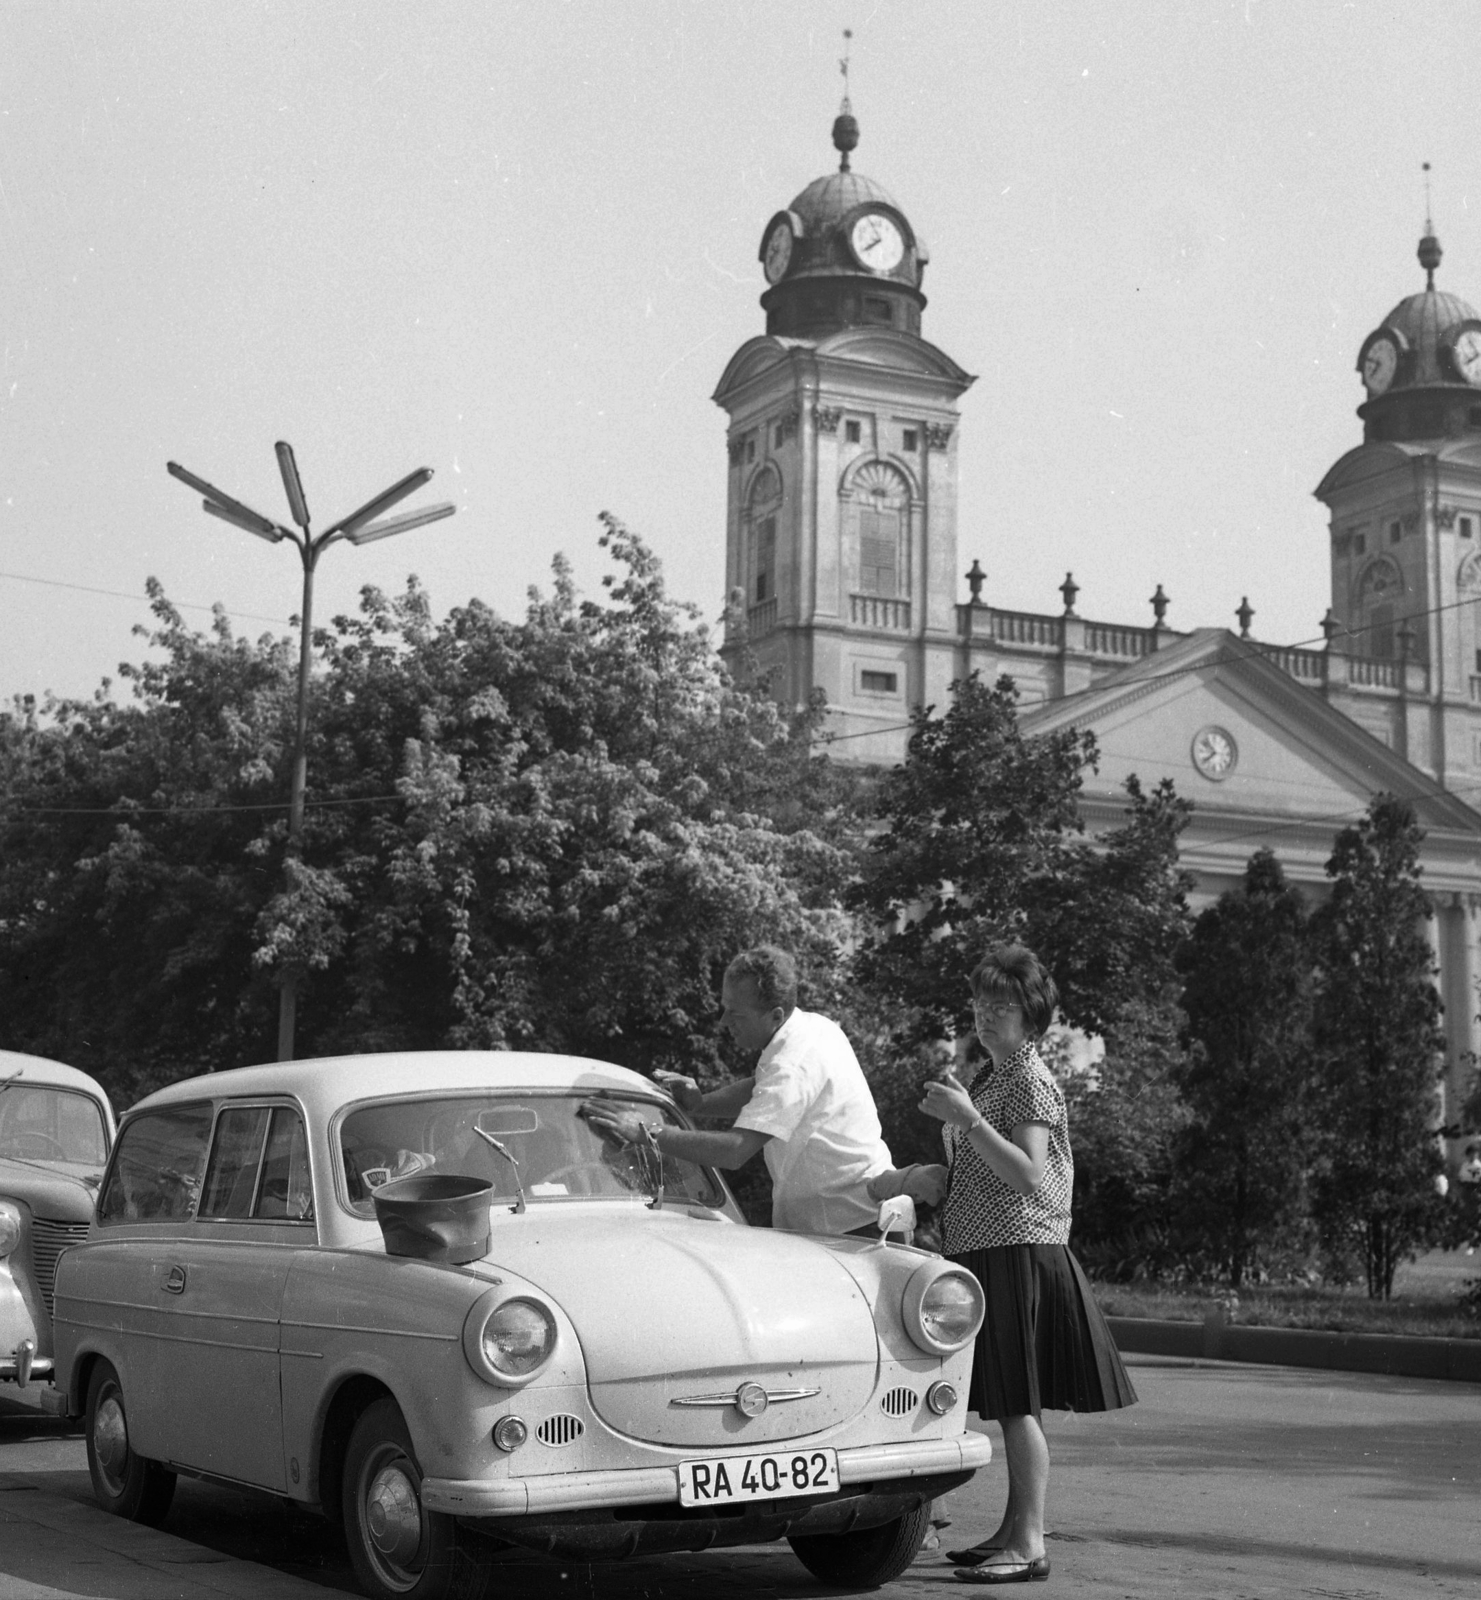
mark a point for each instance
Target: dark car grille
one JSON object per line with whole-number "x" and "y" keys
{"x": 48, "y": 1240}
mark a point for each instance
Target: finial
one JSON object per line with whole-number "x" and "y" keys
{"x": 1159, "y": 603}
{"x": 845, "y": 125}
{"x": 976, "y": 577}
{"x": 1429, "y": 246}
{"x": 1331, "y": 626}
{"x": 1069, "y": 589}
{"x": 1246, "y": 614}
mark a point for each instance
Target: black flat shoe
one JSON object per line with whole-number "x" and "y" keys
{"x": 973, "y": 1557}
{"x": 1007, "y": 1572}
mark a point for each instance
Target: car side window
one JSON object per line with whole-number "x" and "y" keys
{"x": 236, "y": 1159}
{"x": 259, "y": 1167}
{"x": 286, "y": 1192}
{"x": 156, "y": 1173}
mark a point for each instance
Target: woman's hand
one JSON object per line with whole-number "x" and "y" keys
{"x": 949, "y": 1102}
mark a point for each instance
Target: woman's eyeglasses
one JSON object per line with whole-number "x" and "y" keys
{"x": 994, "y": 1008}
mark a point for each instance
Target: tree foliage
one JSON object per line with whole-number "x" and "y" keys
{"x": 1379, "y": 1048}
{"x": 549, "y": 833}
{"x": 1247, "y": 1084}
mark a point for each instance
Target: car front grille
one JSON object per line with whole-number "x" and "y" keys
{"x": 899, "y": 1402}
{"x": 560, "y": 1429}
{"x": 48, "y": 1240}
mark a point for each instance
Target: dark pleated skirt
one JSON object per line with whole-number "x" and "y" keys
{"x": 1044, "y": 1345}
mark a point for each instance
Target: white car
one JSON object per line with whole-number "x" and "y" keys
{"x": 422, "y": 1294}
{"x": 56, "y": 1128}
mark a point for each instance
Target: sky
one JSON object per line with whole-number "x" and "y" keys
{"x": 516, "y": 241}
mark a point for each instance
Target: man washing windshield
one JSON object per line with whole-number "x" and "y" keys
{"x": 807, "y": 1106}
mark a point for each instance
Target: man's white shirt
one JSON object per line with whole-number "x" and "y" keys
{"x": 810, "y": 1095}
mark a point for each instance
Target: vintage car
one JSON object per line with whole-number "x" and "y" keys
{"x": 423, "y": 1294}
{"x": 56, "y": 1128}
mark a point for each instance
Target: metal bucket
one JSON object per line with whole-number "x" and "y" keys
{"x": 435, "y": 1216}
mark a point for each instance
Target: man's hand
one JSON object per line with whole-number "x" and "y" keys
{"x": 622, "y": 1127}
{"x": 926, "y": 1184}
{"x": 686, "y": 1092}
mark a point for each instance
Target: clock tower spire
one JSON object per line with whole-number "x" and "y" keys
{"x": 841, "y": 554}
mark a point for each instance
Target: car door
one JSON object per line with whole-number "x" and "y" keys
{"x": 116, "y": 1296}
{"x": 225, "y": 1287}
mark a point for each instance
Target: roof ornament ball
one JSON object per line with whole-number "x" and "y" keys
{"x": 1429, "y": 246}
{"x": 845, "y": 125}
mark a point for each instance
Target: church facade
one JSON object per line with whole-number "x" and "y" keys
{"x": 843, "y": 564}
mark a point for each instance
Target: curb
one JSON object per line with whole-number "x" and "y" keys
{"x": 1455, "y": 1360}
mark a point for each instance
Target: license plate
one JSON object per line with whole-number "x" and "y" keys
{"x": 722, "y": 1480}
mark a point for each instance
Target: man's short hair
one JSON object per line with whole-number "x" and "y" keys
{"x": 773, "y": 972}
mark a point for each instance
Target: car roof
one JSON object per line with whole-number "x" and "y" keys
{"x": 38, "y": 1069}
{"x": 326, "y": 1084}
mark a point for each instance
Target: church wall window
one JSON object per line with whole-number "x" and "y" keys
{"x": 851, "y": 432}
{"x": 1359, "y": 544}
{"x": 776, "y": 437}
{"x": 765, "y": 559}
{"x": 876, "y": 528}
{"x": 750, "y": 449}
{"x": 1395, "y": 532}
{"x": 1381, "y": 633}
{"x": 878, "y": 309}
{"x": 910, "y": 440}
{"x": 1466, "y": 528}
{"x": 879, "y": 682}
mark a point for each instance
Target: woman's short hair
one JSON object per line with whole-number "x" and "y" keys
{"x": 1013, "y": 972}
{"x": 773, "y": 972}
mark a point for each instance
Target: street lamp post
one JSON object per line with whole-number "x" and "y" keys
{"x": 360, "y": 527}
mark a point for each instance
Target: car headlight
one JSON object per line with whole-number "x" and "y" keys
{"x": 10, "y": 1227}
{"x": 508, "y": 1341}
{"x": 942, "y": 1309}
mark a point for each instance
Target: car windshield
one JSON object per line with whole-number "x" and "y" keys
{"x": 559, "y": 1157}
{"x": 57, "y": 1126}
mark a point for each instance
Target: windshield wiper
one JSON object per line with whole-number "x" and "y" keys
{"x": 499, "y": 1145}
{"x": 5, "y": 1083}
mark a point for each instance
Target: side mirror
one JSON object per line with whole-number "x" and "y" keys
{"x": 897, "y": 1213}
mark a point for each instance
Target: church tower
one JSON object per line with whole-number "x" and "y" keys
{"x": 1406, "y": 536}
{"x": 841, "y": 551}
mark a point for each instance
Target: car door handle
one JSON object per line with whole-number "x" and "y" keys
{"x": 175, "y": 1281}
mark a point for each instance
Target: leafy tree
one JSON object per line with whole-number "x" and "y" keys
{"x": 1380, "y": 1049}
{"x": 547, "y": 834}
{"x": 1247, "y": 995}
{"x": 982, "y": 842}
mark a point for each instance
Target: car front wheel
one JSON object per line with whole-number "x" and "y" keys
{"x": 124, "y": 1483}
{"x": 867, "y": 1559}
{"x": 397, "y": 1547}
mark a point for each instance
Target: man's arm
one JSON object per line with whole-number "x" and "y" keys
{"x": 727, "y": 1150}
{"x": 723, "y": 1104}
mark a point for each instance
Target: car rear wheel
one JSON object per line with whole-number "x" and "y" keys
{"x": 397, "y": 1547}
{"x": 124, "y": 1483}
{"x": 867, "y": 1559}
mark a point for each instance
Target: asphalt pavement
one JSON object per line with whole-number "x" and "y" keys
{"x": 1230, "y": 1481}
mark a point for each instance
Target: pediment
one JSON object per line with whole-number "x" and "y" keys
{"x": 1361, "y": 465}
{"x": 1293, "y": 758}
{"x": 900, "y": 352}
{"x": 754, "y": 359}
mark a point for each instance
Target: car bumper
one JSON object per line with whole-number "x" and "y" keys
{"x": 586, "y": 1491}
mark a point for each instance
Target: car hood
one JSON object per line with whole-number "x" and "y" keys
{"x": 49, "y": 1191}
{"x": 669, "y": 1308}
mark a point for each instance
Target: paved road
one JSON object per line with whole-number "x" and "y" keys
{"x": 1236, "y": 1482}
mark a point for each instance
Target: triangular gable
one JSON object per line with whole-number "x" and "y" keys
{"x": 1296, "y": 756}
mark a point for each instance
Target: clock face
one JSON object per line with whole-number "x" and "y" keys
{"x": 1466, "y": 353}
{"x": 1378, "y": 364}
{"x": 1214, "y": 753}
{"x": 877, "y": 242}
{"x": 777, "y": 255}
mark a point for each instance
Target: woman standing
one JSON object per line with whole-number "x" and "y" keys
{"x": 1006, "y": 1218}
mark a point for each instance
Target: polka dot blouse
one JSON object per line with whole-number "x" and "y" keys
{"x": 982, "y": 1211}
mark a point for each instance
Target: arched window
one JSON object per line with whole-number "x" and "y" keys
{"x": 1468, "y": 586}
{"x": 763, "y": 507}
{"x": 880, "y": 526}
{"x": 1380, "y": 588}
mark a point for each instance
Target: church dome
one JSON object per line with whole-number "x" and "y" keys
{"x": 1421, "y": 365}
{"x": 842, "y": 254}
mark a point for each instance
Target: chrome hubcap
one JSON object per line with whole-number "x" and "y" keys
{"x": 393, "y": 1515}
{"x": 111, "y": 1441}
